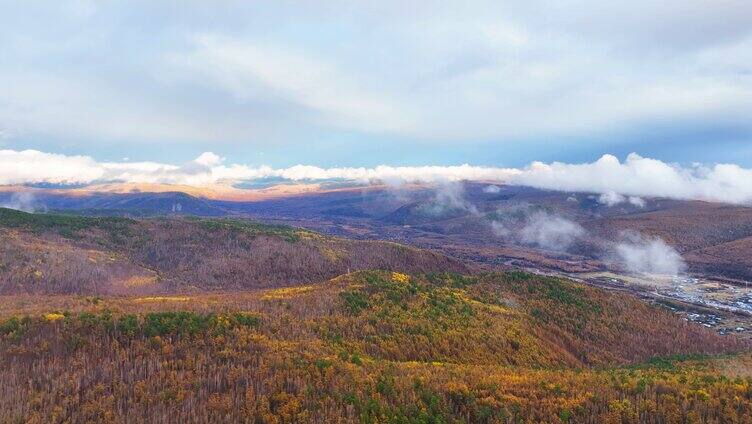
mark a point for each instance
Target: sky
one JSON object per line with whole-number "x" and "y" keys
{"x": 362, "y": 84}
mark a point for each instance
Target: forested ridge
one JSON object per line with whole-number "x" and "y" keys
{"x": 67, "y": 254}
{"x": 370, "y": 346}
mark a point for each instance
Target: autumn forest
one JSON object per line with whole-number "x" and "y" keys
{"x": 213, "y": 320}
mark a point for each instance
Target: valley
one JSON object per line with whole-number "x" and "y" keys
{"x": 723, "y": 306}
{"x": 465, "y": 221}
{"x": 285, "y": 310}
{"x": 376, "y": 212}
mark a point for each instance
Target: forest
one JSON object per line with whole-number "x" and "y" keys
{"x": 66, "y": 254}
{"x": 371, "y": 347}
{"x": 376, "y": 212}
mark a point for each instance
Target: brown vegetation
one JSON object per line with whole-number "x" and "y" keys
{"x": 367, "y": 347}
{"x": 65, "y": 254}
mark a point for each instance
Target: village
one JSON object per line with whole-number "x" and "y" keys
{"x": 720, "y": 304}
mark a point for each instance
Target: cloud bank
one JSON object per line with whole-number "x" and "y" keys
{"x": 31, "y": 167}
{"x": 645, "y": 177}
{"x": 616, "y": 181}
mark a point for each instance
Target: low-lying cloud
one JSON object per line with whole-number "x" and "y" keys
{"x": 528, "y": 226}
{"x": 616, "y": 181}
{"x": 637, "y": 201}
{"x": 449, "y": 197}
{"x": 22, "y": 201}
{"x": 641, "y": 254}
{"x": 632, "y": 251}
{"x": 613, "y": 198}
{"x": 550, "y": 231}
{"x": 492, "y": 189}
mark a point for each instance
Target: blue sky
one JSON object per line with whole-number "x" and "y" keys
{"x": 340, "y": 83}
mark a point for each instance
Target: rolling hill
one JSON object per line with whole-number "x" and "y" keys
{"x": 205, "y": 319}
{"x": 371, "y": 346}
{"x": 49, "y": 253}
{"x": 417, "y": 215}
{"x": 697, "y": 230}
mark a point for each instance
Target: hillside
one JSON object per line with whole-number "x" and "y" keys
{"x": 713, "y": 238}
{"x": 48, "y": 253}
{"x": 461, "y": 225}
{"x": 698, "y": 230}
{"x": 369, "y": 347}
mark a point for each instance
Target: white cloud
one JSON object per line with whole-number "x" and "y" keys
{"x": 209, "y": 159}
{"x": 526, "y": 225}
{"x": 610, "y": 198}
{"x": 23, "y": 201}
{"x": 632, "y": 251}
{"x": 550, "y": 231}
{"x": 250, "y": 70}
{"x": 491, "y": 189}
{"x": 641, "y": 254}
{"x": 615, "y": 181}
{"x": 637, "y": 201}
{"x": 449, "y": 196}
{"x": 500, "y": 229}
{"x": 643, "y": 177}
{"x": 31, "y": 166}
{"x": 242, "y": 70}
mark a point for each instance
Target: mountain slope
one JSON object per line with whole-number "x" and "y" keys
{"x": 45, "y": 253}
{"x": 371, "y": 346}
{"x": 513, "y": 318}
{"x": 460, "y": 226}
